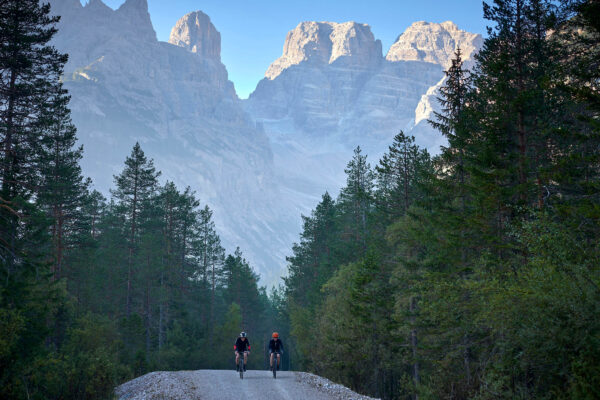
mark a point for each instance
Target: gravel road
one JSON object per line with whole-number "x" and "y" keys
{"x": 226, "y": 385}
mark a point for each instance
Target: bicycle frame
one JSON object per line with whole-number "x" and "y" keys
{"x": 241, "y": 363}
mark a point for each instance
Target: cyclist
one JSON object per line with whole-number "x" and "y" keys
{"x": 242, "y": 345}
{"x": 275, "y": 347}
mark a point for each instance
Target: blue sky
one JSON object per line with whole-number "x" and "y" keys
{"x": 253, "y": 32}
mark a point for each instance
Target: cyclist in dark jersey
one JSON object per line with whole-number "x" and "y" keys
{"x": 275, "y": 347}
{"x": 242, "y": 345}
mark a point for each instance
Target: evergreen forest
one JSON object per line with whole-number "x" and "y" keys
{"x": 471, "y": 274}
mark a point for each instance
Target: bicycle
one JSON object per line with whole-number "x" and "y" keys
{"x": 275, "y": 365}
{"x": 241, "y": 363}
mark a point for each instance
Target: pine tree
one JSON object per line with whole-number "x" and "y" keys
{"x": 314, "y": 260}
{"x": 29, "y": 75}
{"x": 212, "y": 258}
{"x": 31, "y": 307}
{"x": 240, "y": 287}
{"x": 578, "y": 38}
{"x": 355, "y": 203}
{"x": 136, "y": 186}
{"x": 397, "y": 175}
{"x": 512, "y": 142}
{"x": 81, "y": 264}
{"x": 62, "y": 188}
{"x": 453, "y": 120}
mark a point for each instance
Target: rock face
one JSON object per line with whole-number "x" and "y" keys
{"x": 179, "y": 104}
{"x": 326, "y": 42}
{"x": 332, "y": 90}
{"x": 261, "y": 162}
{"x": 434, "y": 43}
{"x": 332, "y": 81}
{"x": 196, "y": 33}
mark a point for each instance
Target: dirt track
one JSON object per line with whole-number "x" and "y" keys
{"x": 226, "y": 385}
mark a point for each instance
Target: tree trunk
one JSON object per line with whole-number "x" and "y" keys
{"x": 413, "y": 343}
{"x": 521, "y": 132}
{"x": 212, "y": 308}
{"x": 7, "y": 172}
{"x": 131, "y": 244}
{"x": 161, "y": 315}
{"x": 59, "y": 244}
{"x": 147, "y": 311}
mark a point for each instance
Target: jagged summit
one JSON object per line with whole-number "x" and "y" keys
{"x": 96, "y": 23}
{"x": 434, "y": 43}
{"x": 136, "y": 11}
{"x": 137, "y": 8}
{"x": 195, "y": 32}
{"x": 97, "y": 5}
{"x": 326, "y": 42}
{"x": 256, "y": 162}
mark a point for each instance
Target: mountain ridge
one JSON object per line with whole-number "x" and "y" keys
{"x": 196, "y": 33}
{"x": 259, "y": 163}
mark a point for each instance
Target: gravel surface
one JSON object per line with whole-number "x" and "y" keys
{"x": 226, "y": 385}
{"x": 334, "y": 390}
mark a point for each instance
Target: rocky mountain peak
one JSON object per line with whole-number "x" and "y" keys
{"x": 326, "y": 43}
{"x": 136, "y": 12}
{"x": 434, "y": 43}
{"x": 195, "y": 32}
{"x": 139, "y": 7}
{"x": 97, "y": 5}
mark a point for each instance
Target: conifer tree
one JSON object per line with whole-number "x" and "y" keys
{"x": 211, "y": 257}
{"x": 62, "y": 188}
{"x": 355, "y": 203}
{"x": 29, "y": 76}
{"x": 511, "y": 145}
{"x": 81, "y": 265}
{"x": 578, "y": 38}
{"x": 240, "y": 287}
{"x": 453, "y": 120}
{"x": 135, "y": 187}
{"x": 314, "y": 259}
{"x": 397, "y": 175}
{"x": 30, "y": 70}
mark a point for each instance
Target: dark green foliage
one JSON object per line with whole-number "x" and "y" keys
{"x": 93, "y": 292}
{"x": 397, "y": 179}
{"x": 473, "y": 275}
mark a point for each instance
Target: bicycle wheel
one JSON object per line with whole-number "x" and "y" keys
{"x": 241, "y": 366}
{"x": 274, "y": 366}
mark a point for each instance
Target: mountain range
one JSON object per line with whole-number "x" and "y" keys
{"x": 262, "y": 162}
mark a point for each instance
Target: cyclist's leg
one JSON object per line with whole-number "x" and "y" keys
{"x": 271, "y": 359}
{"x": 237, "y": 358}
{"x": 278, "y": 360}
{"x": 245, "y": 357}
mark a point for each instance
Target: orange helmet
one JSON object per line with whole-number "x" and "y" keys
{"x": 275, "y": 334}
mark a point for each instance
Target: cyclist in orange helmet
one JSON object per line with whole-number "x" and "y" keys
{"x": 275, "y": 347}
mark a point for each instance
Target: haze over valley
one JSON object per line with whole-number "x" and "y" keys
{"x": 262, "y": 162}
